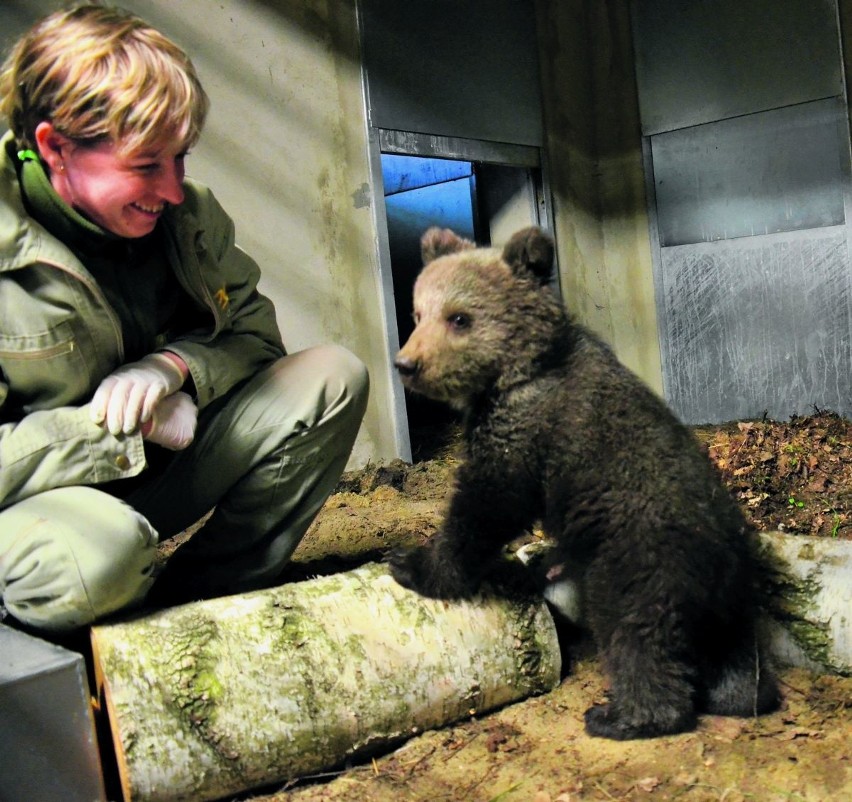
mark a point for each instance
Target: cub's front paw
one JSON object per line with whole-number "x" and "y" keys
{"x": 405, "y": 565}
{"x": 418, "y": 570}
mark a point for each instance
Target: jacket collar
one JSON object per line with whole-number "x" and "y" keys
{"x": 22, "y": 239}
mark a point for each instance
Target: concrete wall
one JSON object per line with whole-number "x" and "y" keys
{"x": 597, "y": 178}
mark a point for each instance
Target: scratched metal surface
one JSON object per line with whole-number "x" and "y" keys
{"x": 774, "y": 171}
{"x": 756, "y": 325}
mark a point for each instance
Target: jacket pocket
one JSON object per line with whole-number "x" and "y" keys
{"x": 45, "y": 369}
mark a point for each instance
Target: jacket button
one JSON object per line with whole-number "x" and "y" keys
{"x": 122, "y": 462}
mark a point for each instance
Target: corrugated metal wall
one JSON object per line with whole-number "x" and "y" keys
{"x": 746, "y": 138}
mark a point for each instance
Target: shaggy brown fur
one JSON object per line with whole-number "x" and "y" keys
{"x": 558, "y": 431}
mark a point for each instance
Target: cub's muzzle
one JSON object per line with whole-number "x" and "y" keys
{"x": 406, "y": 366}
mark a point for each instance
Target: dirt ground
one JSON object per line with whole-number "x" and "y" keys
{"x": 794, "y": 476}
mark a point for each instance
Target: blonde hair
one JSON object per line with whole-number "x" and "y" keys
{"x": 99, "y": 73}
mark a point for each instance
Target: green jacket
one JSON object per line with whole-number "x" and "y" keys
{"x": 59, "y": 338}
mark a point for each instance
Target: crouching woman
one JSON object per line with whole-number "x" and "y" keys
{"x": 143, "y": 380}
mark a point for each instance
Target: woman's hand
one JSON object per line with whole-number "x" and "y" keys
{"x": 128, "y": 396}
{"x": 173, "y": 423}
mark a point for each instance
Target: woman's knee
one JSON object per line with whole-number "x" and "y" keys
{"x": 353, "y": 375}
{"x": 351, "y": 370}
{"x": 336, "y": 368}
{"x": 312, "y": 385}
{"x": 72, "y": 555}
{"x": 344, "y": 383}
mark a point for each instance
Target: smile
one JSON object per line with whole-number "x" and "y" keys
{"x": 150, "y": 209}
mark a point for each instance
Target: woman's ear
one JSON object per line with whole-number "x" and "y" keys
{"x": 51, "y": 146}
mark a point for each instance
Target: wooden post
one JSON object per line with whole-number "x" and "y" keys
{"x": 221, "y": 696}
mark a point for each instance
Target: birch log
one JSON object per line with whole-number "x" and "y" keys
{"x": 222, "y": 696}
{"x": 810, "y": 601}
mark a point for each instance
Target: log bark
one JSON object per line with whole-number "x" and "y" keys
{"x": 222, "y": 696}
{"x": 809, "y": 598}
{"x": 810, "y": 601}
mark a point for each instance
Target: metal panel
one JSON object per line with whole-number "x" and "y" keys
{"x": 49, "y": 748}
{"x": 398, "y": 419}
{"x": 770, "y": 172}
{"x": 456, "y": 69}
{"x": 472, "y": 150}
{"x": 404, "y": 173}
{"x": 709, "y": 60}
{"x": 756, "y": 326}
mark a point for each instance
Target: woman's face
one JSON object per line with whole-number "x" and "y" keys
{"x": 124, "y": 194}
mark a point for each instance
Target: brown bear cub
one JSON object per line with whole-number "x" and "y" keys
{"x": 557, "y": 431}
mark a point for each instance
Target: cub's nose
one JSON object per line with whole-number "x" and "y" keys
{"x": 406, "y": 365}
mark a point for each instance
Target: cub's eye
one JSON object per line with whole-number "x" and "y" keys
{"x": 458, "y": 321}
{"x": 415, "y": 316}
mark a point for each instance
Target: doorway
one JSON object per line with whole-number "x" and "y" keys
{"x": 480, "y": 199}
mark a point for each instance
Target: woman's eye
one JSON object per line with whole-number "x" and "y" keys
{"x": 459, "y": 321}
{"x": 153, "y": 167}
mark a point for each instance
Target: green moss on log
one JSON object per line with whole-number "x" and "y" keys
{"x": 792, "y": 601}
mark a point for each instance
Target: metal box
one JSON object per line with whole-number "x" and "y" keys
{"x": 48, "y": 744}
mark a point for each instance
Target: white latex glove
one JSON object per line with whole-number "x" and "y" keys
{"x": 128, "y": 396}
{"x": 173, "y": 423}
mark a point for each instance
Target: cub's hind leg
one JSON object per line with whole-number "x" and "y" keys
{"x": 651, "y": 690}
{"x": 642, "y": 619}
{"x": 737, "y": 680}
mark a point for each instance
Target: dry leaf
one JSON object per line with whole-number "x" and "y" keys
{"x": 799, "y": 732}
{"x": 649, "y": 784}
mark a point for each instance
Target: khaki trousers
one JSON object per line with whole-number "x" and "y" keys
{"x": 266, "y": 456}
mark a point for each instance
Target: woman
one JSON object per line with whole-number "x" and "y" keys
{"x": 143, "y": 380}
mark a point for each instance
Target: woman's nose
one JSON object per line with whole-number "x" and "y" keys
{"x": 170, "y": 186}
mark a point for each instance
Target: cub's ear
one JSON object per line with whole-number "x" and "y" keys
{"x": 530, "y": 250}
{"x": 441, "y": 241}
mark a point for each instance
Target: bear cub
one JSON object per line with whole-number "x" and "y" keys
{"x": 557, "y": 431}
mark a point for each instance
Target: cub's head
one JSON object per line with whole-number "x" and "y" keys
{"x": 482, "y": 315}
